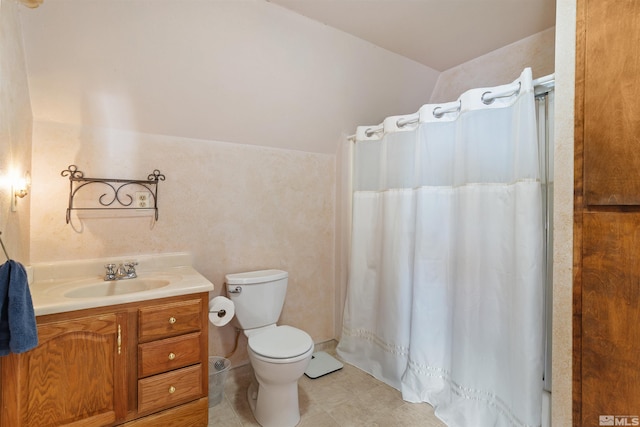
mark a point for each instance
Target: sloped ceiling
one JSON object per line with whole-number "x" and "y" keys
{"x": 437, "y": 33}
{"x": 252, "y": 71}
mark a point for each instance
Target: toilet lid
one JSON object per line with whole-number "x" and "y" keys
{"x": 280, "y": 342}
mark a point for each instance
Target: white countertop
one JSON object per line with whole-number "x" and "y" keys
{"x": 49, "y": 282}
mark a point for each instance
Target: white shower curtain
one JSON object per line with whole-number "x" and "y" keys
{"x": 444, "y": 298}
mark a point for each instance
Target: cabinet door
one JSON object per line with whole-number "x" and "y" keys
{"x": 611, "y": 317}
{"x": 612, "y": 102}
{"x": 76, "y": 375}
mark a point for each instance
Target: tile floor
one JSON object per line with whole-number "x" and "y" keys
{"x": 345, "y": 398}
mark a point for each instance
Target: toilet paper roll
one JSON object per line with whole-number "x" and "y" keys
{"x": 221, "y": 311}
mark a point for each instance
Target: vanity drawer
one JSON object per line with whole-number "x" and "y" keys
{"x": 166, "y": 320}
{"x": 169, "y": 389}
{"x": 167, "y": 354}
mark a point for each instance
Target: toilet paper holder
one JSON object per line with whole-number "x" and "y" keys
{"x": 221, "y": 310}
{"x": 221, "y": 313}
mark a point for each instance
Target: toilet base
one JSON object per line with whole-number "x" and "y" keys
{"x": 275, "y": 405}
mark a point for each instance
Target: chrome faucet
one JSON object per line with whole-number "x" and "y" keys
{"x": 126, "y": 270}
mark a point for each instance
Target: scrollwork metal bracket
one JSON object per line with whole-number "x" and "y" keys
{"x": 118, "y": 195}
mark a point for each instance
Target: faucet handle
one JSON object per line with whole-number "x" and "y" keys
{"x": 110, "y": 273}
{"x": 130, "y": 267}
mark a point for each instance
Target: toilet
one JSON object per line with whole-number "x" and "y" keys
{"x": 279, "y": 355}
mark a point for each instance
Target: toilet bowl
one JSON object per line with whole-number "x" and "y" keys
{"x": 279, "y": 355}
{"x": 273, "y": 398}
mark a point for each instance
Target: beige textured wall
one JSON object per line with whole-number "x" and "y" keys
{"x": 498, "y": 67}
{"x": 344, "y": 159}
{"x": 15, "y": 132}
{"x": 561, "y": 398}
{"x": 233, "y": 207}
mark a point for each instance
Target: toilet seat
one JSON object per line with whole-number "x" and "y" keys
{"x": 281, "y": 342}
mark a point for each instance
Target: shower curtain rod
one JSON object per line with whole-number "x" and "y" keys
{"x": 540, "y": 86}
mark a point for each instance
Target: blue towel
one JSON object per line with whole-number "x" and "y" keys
{"x": 18, "y": 331}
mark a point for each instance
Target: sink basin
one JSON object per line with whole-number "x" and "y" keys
{"x": 64, "y": 286}
{"x": 116, "y": 287}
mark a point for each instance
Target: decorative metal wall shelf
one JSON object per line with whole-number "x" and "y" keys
{"x": 119, "y": 191}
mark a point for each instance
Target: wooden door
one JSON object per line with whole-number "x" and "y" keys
{"x": 76, "y": 375}
{"x": 611, "y": 102}
{"x": 607, "y": 214}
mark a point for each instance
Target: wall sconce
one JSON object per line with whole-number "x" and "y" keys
{"x": 19, "y": 189}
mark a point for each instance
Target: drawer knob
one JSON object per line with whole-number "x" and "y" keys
{"x": 172, "y": 389}
{"x": 172, "y": 320}
{"x": 172, "y": 356}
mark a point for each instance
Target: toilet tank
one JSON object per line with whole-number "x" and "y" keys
{"x": 258, "y": 296}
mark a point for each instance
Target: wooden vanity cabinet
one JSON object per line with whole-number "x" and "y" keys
{"x": 141, "y": 364}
